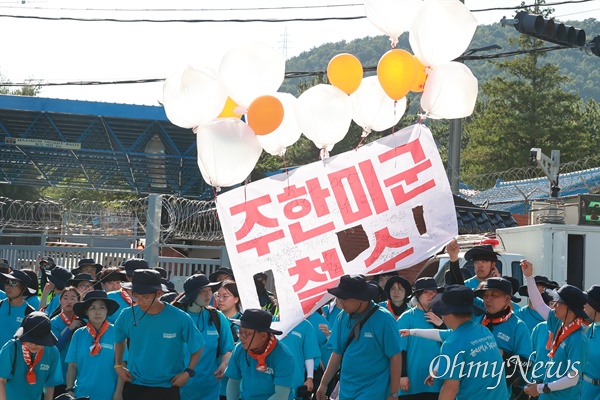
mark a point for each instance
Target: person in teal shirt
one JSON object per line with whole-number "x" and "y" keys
{"x": 301, "y": 341}
{"x": 484, "y": 262}
{"x": 57, "y": 281}
{"x": 527, "y": 313}
{"x": 590, "y": 388}
{"x": 261, "y": 366}
{"x": 34, "y": 285}
{"x": 331, "y": 311}
{"x": 569, "y": 346}
{"x": 157, "y": 333}
{"x": 371, "y": 361}
{"x": 14, "y": 308}
{"x": 470, "y": 344}
{"x": 218, "y": 341}
{"x": 511, "y": 334}
{"x": 33, "y": 340}
{"x": 91, "y": 354}
{"x": 417, "y": 352}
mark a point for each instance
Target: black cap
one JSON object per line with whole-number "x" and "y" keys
{"x": 257, "y": 319}
{"x": 59, "y": 276}
{"x": 455, "y": 299}
{"x": 426, "y": 283}
{"x": 77, "y": 279}
{"x": 500, "y": 284}
{"x": 572, "y": 297}
{"x": 593, "y": 297}
{"x": 352, "y": 287}
{"x": 36, "y": 329}
{"x": 145, "y": 281}
{"x": 134, "y": 264}
{"x": 21, "y": 277}
{"x": 539, "y": 280}
{"x": 483, "y": 252}
{"x": 403, "y": 282}
{"x": 87, "y": 261}
{"x": 194, "y": 284}
{"x": 81, "y": 307}
{"x": 221, "y": 270}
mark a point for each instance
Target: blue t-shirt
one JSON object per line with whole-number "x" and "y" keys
{"x": 592, "y": 369}
{"x": 156, "y": 351}
{"x": 123, "y": 304}
{"x": 96, "y": 376}
{"x": 470, "y": 354}
{"x": 419, "y": 352}
{"x": 34, "y": 302}
{"x": 571, "y": 355}
{"x": 9, "y": 323}
{"x": 204, "y": 385}
{"x": 473, "y": 282}
{"x": 539, "y": 341}
{"x": 58, "y": 327}
{"x": 301, "y": 341}
{"x": 48, "y": 372}
{"x": 315, "y": 320}
{"x": 53, "y": 305}
{"x": 512, "y": 336}
{"x": 2, "y": 294}
{"x": 236, "y": 328}
{"x": 529, "y": 316}
{"x": 365, "y": 363}
{"x": 257, "y": 385}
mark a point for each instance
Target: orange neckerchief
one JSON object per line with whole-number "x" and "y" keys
{"x": 95, "y": 349}
{"x": 496, "y": 321}
{"x": 66, "y": 319}
{"x": 126, "y": 297}
{"x": 562, "y": 334}
{"x": 31, "y": 365}
{"x": 261, "y": 358}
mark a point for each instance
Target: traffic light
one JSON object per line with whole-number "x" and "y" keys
{"x": 549, "y": 30}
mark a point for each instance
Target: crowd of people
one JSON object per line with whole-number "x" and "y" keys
{"x": 125, "y": 333}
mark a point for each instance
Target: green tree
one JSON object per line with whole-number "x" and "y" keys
{"x": 524, "y": 107}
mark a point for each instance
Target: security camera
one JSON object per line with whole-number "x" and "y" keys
{"x": 535, "y": 155}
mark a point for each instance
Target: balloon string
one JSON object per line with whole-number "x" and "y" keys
{"x": 215, "y": 195}
{"x": 393, "y": 130}
{"x": 360, "y": 143}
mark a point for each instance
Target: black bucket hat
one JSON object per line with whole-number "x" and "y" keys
{"x": 168, "y": 284}
{"x": 221, "y": 270}
{"x": 377, "y": 293}
{"x": 572, "y": 297}
{"x": 134, "y": 264}
{"x": 256, "y": 319}
{"x": 77, "y": 279}
{"x": 34, "y": 284}
{"x": 81, "y": 307}
{"x": 36, "y": 329}
{"x": 59, "y": 276}
{"x": 501, "y": 284}
{"x": 426, "y": 283}
{"x": 111, "y": 275}
{"x": 483, "y": 252}
{"x": 168, "y": 297}
{"x": 352, "y": 287}
{"x": 539, "y": 280}
{"x": 48, "y": 260}
{"x": 145, "y": 281}
{"x": 403, "y": 282}
{"x": 455, "y": 299}
{"x": 4, "y": 266}
{"x": 21, "y": 277}
{"x": 87, "y": 261}
{"x": 163, "y": 272}
{"x": 593, "y": 297}
{"x": 194, "y": 284}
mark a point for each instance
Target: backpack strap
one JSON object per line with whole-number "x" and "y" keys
{"x": 14, "y": 362}
{"x": 29, "y": 309}
{"x": 358, "y": 326}
{"x": 216, "y": 321}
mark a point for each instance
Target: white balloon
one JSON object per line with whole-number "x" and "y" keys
{"x": 324, "y": 114}
{"x": 373, "y": 109}
{"x": 252, "y": 70}
{"x": 450, "y": 92}
{"x": 227, "y": 151}
{"x": 392, "y": 17}
{"x": 192, "y": 97}
{"x": 441, "y": 31}
{"x": 288, "y": 131}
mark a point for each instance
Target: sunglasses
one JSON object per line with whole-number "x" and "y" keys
{"x": 12, "y": 282}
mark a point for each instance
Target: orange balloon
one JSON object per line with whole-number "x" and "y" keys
{"x": 228, "y": 108}
{"x": 419, "y": 84}
{"x": 345, "y": 72}
{"x": 397, "y": 72}
{"x": 265, "y": 114}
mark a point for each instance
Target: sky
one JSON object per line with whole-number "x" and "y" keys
{"x": 66, "y": 51}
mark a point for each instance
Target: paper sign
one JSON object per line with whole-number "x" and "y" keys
{"x": 383, "y": 207}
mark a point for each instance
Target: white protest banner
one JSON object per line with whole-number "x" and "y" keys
{"x": 383, "y": 207}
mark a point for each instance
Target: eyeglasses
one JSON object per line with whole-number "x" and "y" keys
{"x": 12, "y": 282}
{"x": 245, "y": 334}
{"x": 222, "y": 296}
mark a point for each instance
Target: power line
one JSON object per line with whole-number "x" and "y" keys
{"x": 288, "y": 75}
{"x": 314, "y": 19}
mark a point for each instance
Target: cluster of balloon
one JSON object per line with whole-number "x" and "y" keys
{"x": 212, "y": 104}
{"x": 439, "y": 32}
